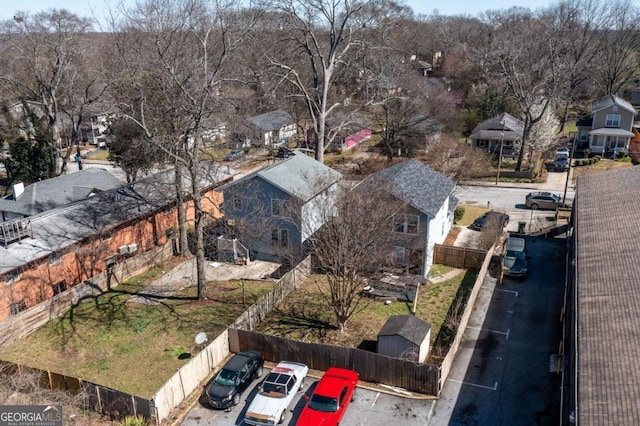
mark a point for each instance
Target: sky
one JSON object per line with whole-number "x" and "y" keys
{"x": 89, "y": 8}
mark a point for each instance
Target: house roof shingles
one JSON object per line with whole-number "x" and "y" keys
{"x": 417, "y": 185}
{"x": 610, "y": 100}
{"x": 59, "y": 191}
{"x": 298, "y": 175}
{"x": 607, "y": 220}
{"x": 273, "y": 120}
{"x": 503, "y": 126}
{"x": 64, "y": 226}
{"x": 409, "y": 327}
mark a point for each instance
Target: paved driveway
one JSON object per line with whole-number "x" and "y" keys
{"x": 505, "y": 371}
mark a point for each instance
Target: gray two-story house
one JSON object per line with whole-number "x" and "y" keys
{"x": 276, "y": 209}
{"x": 427, "y": 215}
{"x": 609, "y": 129}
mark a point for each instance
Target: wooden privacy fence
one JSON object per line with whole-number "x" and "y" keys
{"x": 458, "y": 257}
{"x": 447, "y": 362}
{"x": 372, "y": 367}
{"x": 189, "y": 377}
{"x": 259, "y": 310}
{"x": 104, "y": 400}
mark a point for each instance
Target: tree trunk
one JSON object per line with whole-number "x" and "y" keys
{"x": 183, "y": 243}
{"x": 199, "y": 237}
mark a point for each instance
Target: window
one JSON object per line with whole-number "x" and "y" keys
{"x": 278, "y": 207}
{"x": 17, "y": 307}
{"x": 54, "y": 259}
{"x": 599, "y": 141}
{"x": 280, "y": 238}
{"x": 612, "y": 120}
{"x": 399, "y": 255}
{"x": 237, "y": 202}
{"x": 12, "y": 277}
{"x": 167, "y": 210}
{"x": 60, "y": 287}
{"x": 482, "y": 143}
{"x": 107, "y": 236}
{"x": 406, "y": 223}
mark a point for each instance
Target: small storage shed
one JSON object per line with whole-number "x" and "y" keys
{"x": 406, "y": 337}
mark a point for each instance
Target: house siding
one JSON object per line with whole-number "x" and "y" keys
{"x": 256, "y": 223}
{"x": 600, "y": 117}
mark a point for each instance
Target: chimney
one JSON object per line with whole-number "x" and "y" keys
{"x": 18, "y": 190}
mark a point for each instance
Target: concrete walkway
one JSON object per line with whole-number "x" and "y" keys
{"x": 184, "y": 275}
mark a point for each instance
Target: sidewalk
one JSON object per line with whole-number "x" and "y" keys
{"x": 556, "y": 181}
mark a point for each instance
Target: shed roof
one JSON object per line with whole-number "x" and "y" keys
{"x": 298, "y": 175}
{"x": 272, "y": 120}
{"x": 410, "y": 327}
{"x": 416, "y": 184}
{"x": 59, "y": 191}
{"x": 607, "y": 207}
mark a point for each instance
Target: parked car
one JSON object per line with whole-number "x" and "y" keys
{"x": 234, "y": 377}
{"x": 276, "y": 393}
{"x": 330, "y": 399}
{"x": 491, "y": 218}
{"x": 561, "y": 164}
{"x": 284, "y": 152}
{"x": 514, "y": 258}
{"x": 234, "y": 155}
{"x": 544, "y": 200}
{"x": 562, "y": 152}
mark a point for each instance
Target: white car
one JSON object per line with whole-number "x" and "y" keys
{"x": 276, "y": 393}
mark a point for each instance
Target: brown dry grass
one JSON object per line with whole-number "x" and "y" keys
{"x": 599, "y": 167}
{"x": 304, "y": 314}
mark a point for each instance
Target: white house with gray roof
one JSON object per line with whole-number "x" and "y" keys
{"x": 428, "y": 216}
{"x": 274, "y": 128}
{"x": 503, "y": 129}
{"x": 276, "y": 209}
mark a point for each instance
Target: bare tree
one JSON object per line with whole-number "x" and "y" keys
{"x": 618, "y": 57}
{"x": 526, "y": 65}
{"x": 46, "y": 64}
{"x": 174, "y": 54}
{"x": 326, "y": 35}
{"x": 455, "y": 160}
{"x": 351, "y": 245}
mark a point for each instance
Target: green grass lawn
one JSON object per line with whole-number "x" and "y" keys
{"x": 128, "y": 346}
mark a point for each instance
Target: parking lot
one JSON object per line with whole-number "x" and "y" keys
{"x": 371, "y": 408}
{"x": 506, "y": 370}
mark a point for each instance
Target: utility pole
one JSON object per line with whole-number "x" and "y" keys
{"x": 566, "y": 183}
{"x": 500, "y": 155}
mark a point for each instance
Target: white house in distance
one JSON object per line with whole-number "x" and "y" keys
{"x": 274, "y": 128}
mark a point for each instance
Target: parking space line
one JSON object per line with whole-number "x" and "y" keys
{"x": 504, "y": 333}
{"x": 515, "y": 293}
{"x": 495, "y": 386}
{"x": 375, "y": 399}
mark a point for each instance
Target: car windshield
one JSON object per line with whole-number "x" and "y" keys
{"x": 226, "y": 377}
{"x": 323, "y": 403}
{"x": 273, "y": 389}
{"x": 515, "y": 254}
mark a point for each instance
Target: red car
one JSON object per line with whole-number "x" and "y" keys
{"x": 330, "y": 399}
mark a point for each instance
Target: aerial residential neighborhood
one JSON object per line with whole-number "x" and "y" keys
{"x": 318, "y": 213}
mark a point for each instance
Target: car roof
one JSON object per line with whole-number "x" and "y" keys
{"x": 333, "y": 382}
{"x": 515, "y": 243}
{"x": 238, "y": 361}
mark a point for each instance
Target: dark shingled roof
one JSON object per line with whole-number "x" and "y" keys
{"x": 503, "y": 126}
{"x": 60, "y": 191}
{"x": 417, "y": 184}
{"x": 607, "y": 208}
{"x": 410, "y": 327}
